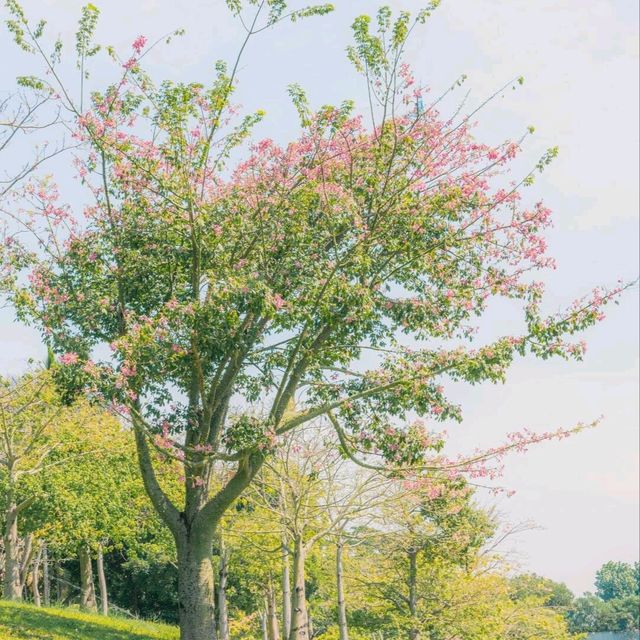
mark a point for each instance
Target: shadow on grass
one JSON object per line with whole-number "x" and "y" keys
{"x": 33, "y": 624}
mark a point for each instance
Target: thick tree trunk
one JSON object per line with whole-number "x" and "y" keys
{"x": 223, "y": 576}
{"x": 12, "y": 583}
{"x": 193, "y": 530}
{"x": 342, "y": 608}
{"x": 102, "y": 583}
{"x": 35, "y": 578}
{"x": 272, "y": 613}
{"x": 87, "y": 589}
{"x": 414, "y": 632}
{"x": 195, "y": 589}
{"x": 299, "y": 629}
{"x": 46, "y": 580}
{"x": 286, "y": 591}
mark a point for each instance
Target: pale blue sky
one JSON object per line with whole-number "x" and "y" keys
{"x": 580, "y": 61}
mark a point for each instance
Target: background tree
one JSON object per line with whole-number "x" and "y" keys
{"x": 314, "y": 495}
{"x": 553, "y": 594}
{"x": 95, "y": 504}
{"x": 30, "y": 412}
{"x": 270, "y": 281}
{"x": 615, "y": 607}
{"x": 456, "y": 586}
{"x": 432, "y": 530}
{"x": 617, "y": 580}
{"x": 249, "y": 552}
{"x": 70, "y": 485}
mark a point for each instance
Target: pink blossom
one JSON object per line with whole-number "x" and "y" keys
{"x": 138, "y": 43}
{"x": 128, "y": 371}
{"x": 71, "y": 357}
{"x": 278, "y": 301}
{"x": 172, "y": 304}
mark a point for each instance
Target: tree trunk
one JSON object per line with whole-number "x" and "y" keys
{"x": 12, "y": 584}
{"x": 272, "y": 613}
{"x": 102, "y": 583}
{"x": 223, "y": 575}
{"x": 35, "y": 578}
{"x": 87, "y": 589}
{"x": 46, "y": 580}
{"x": 414, "y": 632}
{"x": 286, "y": 591}
{"x": 263, "y": 624}
{"x": 299, "y": 629}
{"x": 26, "y": 558}
{"x": 195, "y": 589}
{"x": 342, "y": 609}
{"x": 193, "y": 530}
{"x": 59, "y": 575}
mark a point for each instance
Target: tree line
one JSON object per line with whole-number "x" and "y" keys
{"x": 319, "y": 548}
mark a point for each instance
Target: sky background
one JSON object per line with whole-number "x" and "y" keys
{"x": 580, "y": 62}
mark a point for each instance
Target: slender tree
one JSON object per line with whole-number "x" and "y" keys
{"x": 87, "y": 585}
{"x": 421, "y": 531}
{"x": 92, "y": 500}
{"x": 313, "y": 492}
{"x": 342, "y": 607}
{"x": 102, "y": 582}
{"x": 35, "y": 577}
{"x": 29, "y": 407}
{"x": 223, "y": 576}
{"x": 46, "y": 580}
{"x": 286, "y": 587}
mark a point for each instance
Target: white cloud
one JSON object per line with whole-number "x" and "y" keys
{"x": 580, "y": 62}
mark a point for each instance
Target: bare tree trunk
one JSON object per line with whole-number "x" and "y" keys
{"x": 59, "y": 573}
{"x": 87, "y": 589}
{"x": 272, "y": 613}
{"x": 223, "y": 576}
{"x": 414, "y": 632}
{"x": 12, "y": 584}
{"x": 196, "y": 588}
{"x": 46, "y": 580}
{"x": 299, "y": 629}
{"x": 35, "y": 578}
{"x": 286, "y": 591}
{"x": 342, "y": 609}
{"x": 26, "y": 558}
{"x": 102, "y": 583}
{"x": 263, "y": 624}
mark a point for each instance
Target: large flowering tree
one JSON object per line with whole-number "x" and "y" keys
{"x": 239, "y": 302}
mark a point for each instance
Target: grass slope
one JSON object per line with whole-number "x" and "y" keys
{"x": 25, "y": 622}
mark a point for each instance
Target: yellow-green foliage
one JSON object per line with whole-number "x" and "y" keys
{"x": 26, "y": 622}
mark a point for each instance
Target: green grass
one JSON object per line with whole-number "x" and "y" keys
{"x": 26, "y": 622}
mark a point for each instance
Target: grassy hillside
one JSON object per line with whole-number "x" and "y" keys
{"x": 25, "y": 622}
